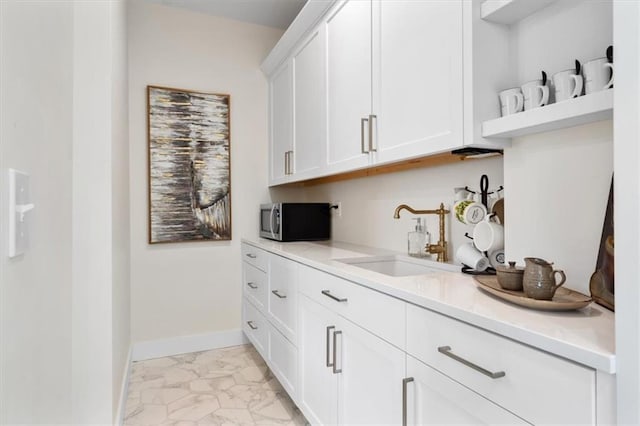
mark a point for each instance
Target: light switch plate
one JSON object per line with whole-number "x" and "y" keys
{"x": 19, "y": 206}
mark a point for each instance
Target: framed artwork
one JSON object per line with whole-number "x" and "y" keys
{"x": 602, "y": 283}
{"x": 189, "y": 165}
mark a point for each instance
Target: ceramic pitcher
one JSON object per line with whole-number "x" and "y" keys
{"x": 539, "y": 281}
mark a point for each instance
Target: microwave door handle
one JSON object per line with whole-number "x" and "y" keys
{"x": 271, "y": 224}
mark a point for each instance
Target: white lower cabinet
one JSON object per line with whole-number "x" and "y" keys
{"x": 435, "y": 399}
{"x": 347, "y": 375}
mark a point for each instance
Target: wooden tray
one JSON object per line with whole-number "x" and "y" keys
{"x": 564, "y": 299}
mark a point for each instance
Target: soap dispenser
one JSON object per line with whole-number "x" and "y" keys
{"x": 418, "y": 240}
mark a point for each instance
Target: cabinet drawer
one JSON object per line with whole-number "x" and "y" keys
{"x": 539, "y": 387}
{"x": 380, "y": 314}
{"x": 283, "y": 295}
{"x": 256, "y": 327}
{"x": 283, "y": 361}
{"x": 255, "y": 256}
{"x": 255, "y": 286}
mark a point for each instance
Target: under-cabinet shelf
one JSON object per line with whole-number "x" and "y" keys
{"x": 510, "y": 11}
{"x": 573, "y": 112}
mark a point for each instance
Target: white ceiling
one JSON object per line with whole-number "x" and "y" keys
{"x": 272, "y": 13}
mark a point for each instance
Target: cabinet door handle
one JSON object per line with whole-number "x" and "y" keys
{"x": 405, "y": 381}
{"x": 446, "y": 350}
{"x": 365, "y": 148}
{"x": 281, "y": 296}
{"x": 252, "y": 285}
{"x": 372, "y": 147}
{"x": 251, "y": 255}
{"x": 335, "y": 352}
{"x": 329, "y": 328}
{"x": 337, "y": 299}
{"x": 286, "y": 163}
{"x": 289, "y": 162}
{"x": 250, "y": 324}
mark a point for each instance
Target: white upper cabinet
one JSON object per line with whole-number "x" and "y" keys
{"x": 309, "y": 107}
{"x": 281, "y": 118}
{"x": 348, "y": 29}
{"x": 417, "y": 74}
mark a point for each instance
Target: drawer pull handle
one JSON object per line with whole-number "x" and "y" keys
{"x": 281, "y": 296}
{"x": 405, "y": 382}
{"x": 446, "y": 350}
{"x": 250, "y": 324}
{"x": 329, "y": 328}
{"x": 337, "y": 299}
{"x": 252, "y": 285}
{"x": 335, "y": 352}
{"x": 251, "y": 255}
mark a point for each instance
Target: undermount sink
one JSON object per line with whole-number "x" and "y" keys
{"x": 398, "y": 266}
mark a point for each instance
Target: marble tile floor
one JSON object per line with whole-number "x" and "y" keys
{"x": 230, "y": 386}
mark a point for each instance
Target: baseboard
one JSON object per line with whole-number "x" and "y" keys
{"x": 124, "y": 389}
{"x": 185, "y": 344}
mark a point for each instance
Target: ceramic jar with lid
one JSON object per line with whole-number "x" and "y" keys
{"x": 510, "y": 277}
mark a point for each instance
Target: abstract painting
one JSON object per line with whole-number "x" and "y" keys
{"x": 189, "y": 165}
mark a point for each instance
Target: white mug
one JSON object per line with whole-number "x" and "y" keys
{"x": 496, "y": 258}
{"x": 598, "y": 75}
{"x": 535, "y": 94}
{"x": 469, "y": 211}
{"x": 468, "y": 255}
{"x": 511, "y": 101}
{"x": 488, "y": 236}
{"x": 568, "y": 85}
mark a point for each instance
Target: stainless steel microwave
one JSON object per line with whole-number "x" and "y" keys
{"x": 295, "y": 221}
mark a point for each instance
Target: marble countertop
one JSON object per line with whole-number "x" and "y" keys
{"x": 586, "y": 336}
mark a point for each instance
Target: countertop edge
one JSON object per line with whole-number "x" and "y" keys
{"x": 605, "y": 362}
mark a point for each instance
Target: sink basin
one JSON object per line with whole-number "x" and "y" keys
{"x": 398, "y": 266}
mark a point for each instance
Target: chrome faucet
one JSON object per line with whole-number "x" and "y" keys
{"x": 441, "y": 248}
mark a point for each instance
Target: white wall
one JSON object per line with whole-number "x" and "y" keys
{"x": 36, "y": 87}
{"x": 368, "y": 203}
{"x": 191, "y": 288}
{"x": 100, "y": 228}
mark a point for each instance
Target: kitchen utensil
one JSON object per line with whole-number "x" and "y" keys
{"x": 511, "y": 101}
{"x": 488, "y": 236}
{"x": 568, "y": 84}
{"x": 498, "y": 210}
{"x": 469, "y": 211}
{"x": 468, "y": 255}
{"x": 539, "y": 280}
{"x": 598, "y": 75}
{"x": 510, "y": 277}
{"x": 564, "y": 299}
{"x": 536, "y": 94}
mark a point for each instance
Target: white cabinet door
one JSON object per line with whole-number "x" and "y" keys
{"x": 317, "y": 391}
{"x": 283, "y": 295}
{"x": 435, "y": 399}
{"x": 370, "y": 382}
{"x": 281, "y": 118}
{"x": 348, "y": 29}
{"x": 309, "y": 107}
{"x": 417, "y": 75}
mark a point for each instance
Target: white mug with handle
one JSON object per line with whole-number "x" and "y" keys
{"x": 568, "y": 84}
{"x": 535, "y": 94}
{"x": 598, "y": 75}
{"x": 511, "y": 101}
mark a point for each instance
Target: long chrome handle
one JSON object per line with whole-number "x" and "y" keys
{"x": 371, "y": 145}
{"x": 405, "y": 381}
{"x": 251, "y": 255}
{"x": 290, "y": 162}
{"x": 335, "y": 352}
{"x": 286, "y": 163}
{"x": 329, "y": 328}
{"x": 277, "y": 293}
{"x": 252, "y": 285}
{"x": 337, "y": 299}
{"x": 365, "y": 148}
{"x": 446, "y": 350}
{"x": 253, "y": 327}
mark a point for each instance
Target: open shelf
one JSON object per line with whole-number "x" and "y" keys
{"x": 509, "y": 11}
{"x": 573, "y": 112}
